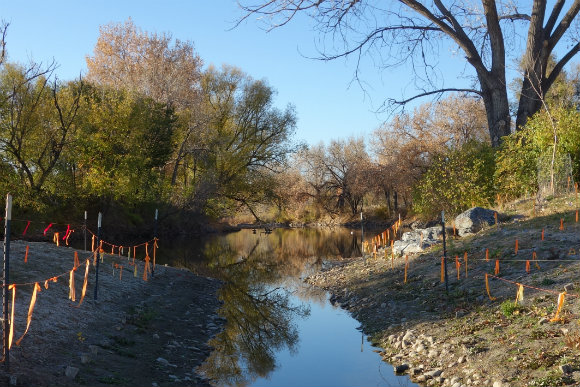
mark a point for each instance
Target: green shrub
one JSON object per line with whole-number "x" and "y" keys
{"x": 456, "y": 180}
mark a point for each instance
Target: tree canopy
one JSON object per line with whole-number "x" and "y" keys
{"x": 416, "y": 34}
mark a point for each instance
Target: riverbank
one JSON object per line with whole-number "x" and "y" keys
{"x": 138, "y": 332}
{"x": 462, "y": 337}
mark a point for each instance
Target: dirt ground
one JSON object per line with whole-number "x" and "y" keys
{"x": 138, "y": 332}
{"x": 462, "y": 337}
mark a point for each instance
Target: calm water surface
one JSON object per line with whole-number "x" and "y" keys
{"x": 281, "y": 331}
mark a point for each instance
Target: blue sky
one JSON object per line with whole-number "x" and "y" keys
{"x": 328, "y": 106}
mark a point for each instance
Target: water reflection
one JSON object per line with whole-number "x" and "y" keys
{"x": 262, "y": 274}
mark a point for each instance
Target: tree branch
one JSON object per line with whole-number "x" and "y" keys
{"x": 427, "y": 93}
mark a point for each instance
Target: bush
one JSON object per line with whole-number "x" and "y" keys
{"x": 457, "y": 180}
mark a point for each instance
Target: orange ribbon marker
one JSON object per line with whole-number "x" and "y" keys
{"x": 26, "y": 254}
{"x": 576, "y": 216}
{"x": 542, "y": 234}
{"x": 11, "y": 333}
{"x": 535, "y": 259}
{"x": 37, "y": 289}
{"x": 26, "y": 228}
{"x": 528, "y": 266}
{"x": 465, "y": 259}
{"x": 406, "y": 267}
{"x": 495, "y": 214}
{"x": 55, "y": 239}
{"x": 516, "y": 249}
{"x": 84, "y": 291}
{"x": 487, "y": 288}
{"x": 76, "y": 263}
{"x": 520, "y": 294}
{"x": 93, "y": 243}
{"x": 457, "y": 265}
{"x": 442, "y": 270}
{"x": 561, "y": 224}
{"x": 147, "y": 268}
{"x": 487, "y": 255}
{"x": 71, "y": 281}
{"x": 561, "y": 298}
{"x": 496, "y": 267}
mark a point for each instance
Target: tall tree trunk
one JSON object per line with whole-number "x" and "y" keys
{"x": 497, "y": 110}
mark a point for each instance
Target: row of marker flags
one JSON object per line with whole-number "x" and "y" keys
{"x": 120, "y": 249}
{"x": 383, "y": 239}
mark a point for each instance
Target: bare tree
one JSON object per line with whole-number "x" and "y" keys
{"x": 413, "y": 33}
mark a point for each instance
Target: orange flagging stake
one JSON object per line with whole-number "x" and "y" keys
{"x": 55, "y": 239}
{"x": 93, "y": 243}
{"x": 561, "y": 298}
{"x": 26, "y": 254}
{"x": 442, "y": 269}
{"x": 516, "y": 248}
{"x": 486, "y": 255}
{"x": 76, "y": 262}
{"x": 561, "y": 224}
{"x": 11, "y": 332}
{"x": 457, "y": 266}
{"x": 542, "y": 234}
{"x": 535, "y": 259}
{"x": 71, "y": 293}
{"x": 520, "y": 294}
{"x": 495, "y": 214}
{"x": 496, "y": 271}
{"x": 465, "y": 259}
{"x": 147, "y": 268}
{"x": 487, "y": 288}
{"x": 84, "y": 291}
{"x": 37, "y": 289}
{"x": 528, "y": 266}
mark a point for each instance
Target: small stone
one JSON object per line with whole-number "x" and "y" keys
{"x": 93, "y": 349}
{"x": 497, "y": 383}
{"x": 433, "y": 374}
{"x": 568, "y": 287}
{"x": 566, "y": 369}
{"x": 13, "y": 380}
{"x": 71, "y": 372}
{"x": 85, "y": 358}
{"x": 421, "y": 378}
{"x": 461, "y": 360}
{"x": 153, "y": 384}
{"x": 543, "y": 320}
{"x": 162, "y": 361}
{"x": 456, "y": 384}
{"x": 401, "y": 368}
{"x": 155, "y": 336}
{"x": 420, "y": 348}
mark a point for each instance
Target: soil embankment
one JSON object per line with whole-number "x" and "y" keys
{"x": 138, "y": 332}
{"x": 463, "y": 338}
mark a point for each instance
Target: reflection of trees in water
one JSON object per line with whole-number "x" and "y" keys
{"x": 259, "y": 318}
{"x": 259, "y": 314}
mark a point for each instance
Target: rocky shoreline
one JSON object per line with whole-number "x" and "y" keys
{"x": 462, "y": 337}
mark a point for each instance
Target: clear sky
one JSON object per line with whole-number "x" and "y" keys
{"x": 327, "y": 104}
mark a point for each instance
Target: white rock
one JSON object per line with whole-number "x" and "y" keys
{"x": 71, "y": 372}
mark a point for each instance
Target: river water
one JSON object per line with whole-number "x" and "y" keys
{"x": 279, "y": 330}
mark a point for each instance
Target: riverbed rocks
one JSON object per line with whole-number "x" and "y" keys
{"x": 417, "y": 241}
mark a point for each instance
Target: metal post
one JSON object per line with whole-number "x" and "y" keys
{"x": 444, "y": 251}
{"x": 362, "y": 235}
{"x": 5, "y": 279}
{"x": 154, "y": 238}
{"x": 98, "y": 255}
{"x": 85, "y": 230}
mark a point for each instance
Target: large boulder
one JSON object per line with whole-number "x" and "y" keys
{"x": 473, "y": 220}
